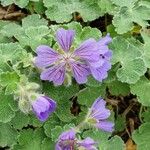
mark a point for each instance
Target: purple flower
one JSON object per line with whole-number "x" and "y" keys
{"x": 90, "y": 57}
{"x": 42, "y": 107}
{"x": 98, "y": 115}
{"x": 100, "y": 68}
{"x": 87, "y": 144}
{"x": 66, "y": 141}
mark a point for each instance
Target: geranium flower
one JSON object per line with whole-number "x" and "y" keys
{"x": 43, "y": 106}
{"x": 81, "y": 62}
{"x": 68, "y": 141}
{"x": 99, "y": 114}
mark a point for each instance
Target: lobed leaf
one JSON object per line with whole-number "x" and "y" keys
{"x": 141, "y": 89}
{"x": 132, "y": 66}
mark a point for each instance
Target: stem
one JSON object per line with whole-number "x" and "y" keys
{"x": 79, "y": 126}
{"x": 74, "y": 16}
{"x": 140, "y": 114}
{"x": 106, "y": 21}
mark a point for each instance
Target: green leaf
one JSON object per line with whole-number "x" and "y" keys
{"x": 146, "y": 115}
{"x": 10, "y": 52}
{"x": 118, "y": 88}
{"x": 88, "y": 32}
{"x": 127, "y": 3}
{"x": 20, "y": 3}
{"x": 130, "y": 12}
{"x": 142, "y": 85}
{"x": 9, "y": 80}
{"x": 60, "y": 93}
{"x": 34, "y": 121}
{"x": 47, "y": 144}
{"x": 11, "y": 29}
{"x": 30, "y": 140}
{"x": 50, "y": 124}
{"x": 130, "y": 58}
{"x": 33, "y": 36}
{"x": 141, "y": 137}
{"x": 89, "y": 94}
{"x": 120, "y": 123}
{"x": 32, "y": 33}
{"x": 92, "y": 82}
{"x": 7, "y": 105}
{"x": 106, "y": 6}
{"x": 61, "y": 11}
{"x": 20, "y": 120}
{"x": 34, "y": 21}
{"x": 63, "y": 111}
{"x": 146, "y": 47}
{"x": 3, "y": 39}
{"x": 115, "y": 143}
{"x": 38, "y": 7}
{"x": 8, "y": 135}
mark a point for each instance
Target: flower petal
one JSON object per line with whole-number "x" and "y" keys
{"x": 43, "y": 106}
{"x": 57, "y": 146}
{"x": 68, "y": 135}
{"x": 105, "y": 40}
{"x": 100, "y": 73}
{"x": 105, "y": 126}
{"x": 98, "y": 103}
{"x": 87, "y": 142}
{"x": 100, "y": 114}
{"x": 88, "y": 50}
{"x": 65, "y": 38}
{"x": 45, "y": 56}
{"x": 98, "y": 110}
{"x": 80, "y": 72}
{"x": 55, "y": 74}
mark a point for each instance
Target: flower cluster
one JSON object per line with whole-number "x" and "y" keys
{"x": 90, "y": 58}
{"x": 96, "y": 117}
{"x": 68, "y": 141}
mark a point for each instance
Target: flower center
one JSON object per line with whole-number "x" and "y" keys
{"x": 67, "y": 144}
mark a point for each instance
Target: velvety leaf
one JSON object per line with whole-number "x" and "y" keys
{"x": 102, "y": 139}
{"x": 118, "y": 88}
{"x": 68, "y": 7}
{"x": 60, "y": 93}
{"x": 130, "y": 58}
{"x": 20, "y": 120}
{"x": 141, "y": 89}
{"x": 88, "y": 95}
{"x": 141, "y": 137}
{"x": 10, "y": 52}
{"x": 9, "y": 80}
{"x": 7, "y": 105}
{"x": 30, "y": 140}
{"x": 20, "y": 3}
{"x": 34, "y": 21}
{"x": 47, "y": 144}
{"x": 50, "y": 124}
{"x": 130, "y": 12}
{"x": 8, "y": 135}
